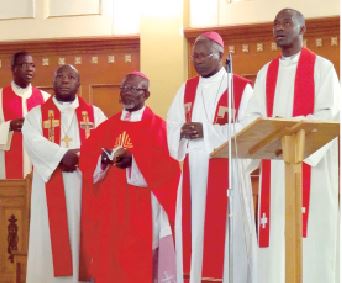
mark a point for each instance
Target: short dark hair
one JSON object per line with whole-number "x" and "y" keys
{"x": 16, "y": 56}
{"x": 299, "y": 16}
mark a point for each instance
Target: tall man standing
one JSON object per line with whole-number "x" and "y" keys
{"x": 16, "y": 99}
{"x": 53, "y": 134}
{"x": 298, "y": 83}
{"x": 135, "y": 190}
{"x": 197, "y": 124}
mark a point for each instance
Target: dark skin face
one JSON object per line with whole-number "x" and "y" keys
{"x": 133, "y": 92}
{"x": 288, "y": 31}
{"x": 205, "y": 61}
{"x": 23, "y": 71}
{"x": 66, "y": 83}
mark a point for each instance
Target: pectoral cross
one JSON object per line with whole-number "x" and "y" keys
{"x": 49, "y": 124}
{"x": 85, "y": 124}
{"x": 66, "y": 140}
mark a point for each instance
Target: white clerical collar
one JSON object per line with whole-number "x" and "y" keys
{"x": 22, "y": 92}
{"x": 134, "y": 116}
{"x": 291, "y": 58}
{"x": 215, "y": 77}
{"x": 65, "y": 105}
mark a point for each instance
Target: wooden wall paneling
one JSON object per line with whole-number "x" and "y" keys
{"x": 93, "y": 57}
{"x": 258, "y": 37}
{"x": 107, "y": 97}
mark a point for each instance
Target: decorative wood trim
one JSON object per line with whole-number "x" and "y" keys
{"x": 314, "y": 26}
{"x": 71, "y": 45}
{"x": 13, "y": 237}
{"x": 93, "y": 86}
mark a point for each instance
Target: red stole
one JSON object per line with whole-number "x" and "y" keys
{"x": 118, "y": 236}
{"x": 303, "y": 104}
{"x": 12, "y": 108}
{"x": 216, "y": 198}
{"x": 55, "y": 195}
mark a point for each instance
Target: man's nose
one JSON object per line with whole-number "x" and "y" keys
{"x": 65, "y": 80}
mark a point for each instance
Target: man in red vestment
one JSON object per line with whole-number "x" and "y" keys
{"x": 16, "y": 99}
{"x": 129, "y": 194}
{"x": 197, "y": 124}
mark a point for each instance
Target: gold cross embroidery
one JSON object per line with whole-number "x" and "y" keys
{"x": 123, "y": 140}
{"x": 222, "y": 111}
{"x": 85, "y": 124}
{"x": 49, "y": 124}
{"x": 66, "y": 140}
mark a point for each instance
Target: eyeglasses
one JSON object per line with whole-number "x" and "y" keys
{"x": 133, "y": 89}
{"x": 201, "y": 56}
{"x": 26, "y": 65}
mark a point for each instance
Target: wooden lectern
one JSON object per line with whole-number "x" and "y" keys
{"x": 292, "y": 141}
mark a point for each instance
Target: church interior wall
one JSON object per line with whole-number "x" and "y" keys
{"x": 44, "y": 20}
{"x": 102, "y": 38}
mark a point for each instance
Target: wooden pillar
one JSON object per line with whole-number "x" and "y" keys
{"x": 163, "y": 51}
{"x": 293, "y": 152}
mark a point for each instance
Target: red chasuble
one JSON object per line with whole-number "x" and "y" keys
{"x": 55, "y": 196}
{"x": 116, "y": 222}
{"x": 303, "y": 104}
{"x": 12, "y": 108}
{"x": 216, "y": 199}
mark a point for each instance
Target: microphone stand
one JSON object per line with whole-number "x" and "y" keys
{"x": 230, "y": 191}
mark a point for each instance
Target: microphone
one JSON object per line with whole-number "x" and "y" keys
{"x": 229, "y": 63}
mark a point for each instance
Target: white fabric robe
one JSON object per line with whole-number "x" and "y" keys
{"x": 6, "y": 134}
{"x": 320, "y": 248}
{"x": 45, "y": 157}
{"x": 208, "y": 94}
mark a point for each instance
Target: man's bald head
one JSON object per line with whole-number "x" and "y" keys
{"x": 297, "y": 15}
{"x": 66, "y": 82}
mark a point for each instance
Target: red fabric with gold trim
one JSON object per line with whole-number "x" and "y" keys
{"x": 12, "y": 108}
{"x": 55, "y": 195}
{"x": 216, "y": 200}
{"x": 304, "y": 101}
{"x": 116, "y": 229}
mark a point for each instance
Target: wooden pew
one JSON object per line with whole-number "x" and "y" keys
{"x": 14, "y": 226}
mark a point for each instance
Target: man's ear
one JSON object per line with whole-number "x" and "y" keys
{"x": 147, "y": 94}
{"x": 302, "y": 29}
